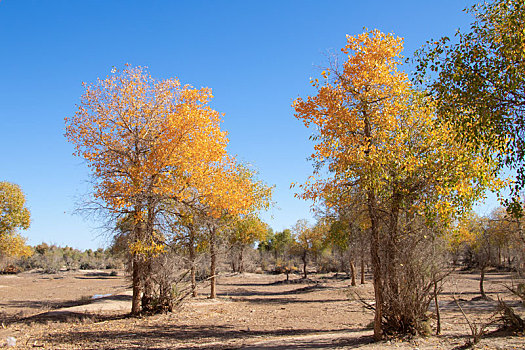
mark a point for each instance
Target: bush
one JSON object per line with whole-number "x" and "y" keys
{"x": 51, "y": 259}
{"x": 169, "y": 282}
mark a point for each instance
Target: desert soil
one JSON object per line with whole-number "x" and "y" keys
{"x": 252, "y": 311}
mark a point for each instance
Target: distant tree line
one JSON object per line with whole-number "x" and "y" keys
{"x": 52, "y": 259}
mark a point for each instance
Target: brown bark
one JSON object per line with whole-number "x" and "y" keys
{"x": 362, "y": 265}
{"x": 136, "y": 262}
{"x": 146, "y": 271}
{"x": 376, "y": 270}
{"x": 374, "y": 248}
{"x": 191, "y": 249}
{"x": 352, "y": 269}
{"x": 391, "y": 258}
{"x": 241, "y": 256}
{"x": 481, "y": 280}
{"x": 213, "y": 264}
{"x": 305, "y": 273}
{"x": 135, "y": 301}
{"x": 147, "y": 293}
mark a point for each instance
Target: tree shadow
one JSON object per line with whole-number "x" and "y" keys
{"x": 286, "y": 300}
{"x": 70, "y": 317}
{"x": 152, "y": 336}
{"x": 278, "y": 282}
{"x": 55, "y": 313}
{"x": 52, "y": 305}
{"x": 97, "y": 277}
{"x": 498, "y": 333}
{"x": 476, "y": 305}
{"x": 46, "y": 304}
{"x": 328, "y": 343}
{"x": 301, "y": 290}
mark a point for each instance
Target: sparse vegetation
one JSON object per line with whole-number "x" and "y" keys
{"x": 399, "y": 163}
{"x": 52, "y": 259}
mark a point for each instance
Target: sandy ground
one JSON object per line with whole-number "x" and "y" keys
{"x": 252, "y": 311}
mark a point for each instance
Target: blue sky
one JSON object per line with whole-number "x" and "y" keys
{"x": 257, "y": 56}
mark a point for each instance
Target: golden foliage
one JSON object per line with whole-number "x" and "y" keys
{"x": 12, "y": 244}
{"x": 13, "y": 215}
{"x": 150, "y": 141}
{"x": 376, "y": 133}
{"x": 142, "y": 137}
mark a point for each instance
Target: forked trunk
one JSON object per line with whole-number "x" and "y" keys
{"x": 352, "y": 269}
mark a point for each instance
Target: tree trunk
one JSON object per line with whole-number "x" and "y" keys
{"x": 213, "y": 264}
{"x": 374, "y": 245}
{"x": 191, "y": 249}
{"x": 135, "y": 301}
{"x": 362, "y": 265}
{"x": 147, "y": 294}
{"x": 146, "y": 271}
{"x": 481, "y": 280}
{"x": 241, "y": 263}
{"x": 391, "y": 262}
{"x": 137, "y": 234}
{"x": 376, "y": 269}
{"x": 305, "y": 274}
{"x": 352, "y": 268}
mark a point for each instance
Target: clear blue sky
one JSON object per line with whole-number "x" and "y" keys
{"x": 257, "y": 56}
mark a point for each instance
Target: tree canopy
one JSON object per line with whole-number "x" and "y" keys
{"x": 480, "y": 86}
{"x": 14, "y": 215}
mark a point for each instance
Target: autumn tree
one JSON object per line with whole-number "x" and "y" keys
{"x": 244, "y": 233}
{"x": 480, "y": 83}
{"x": 347, "y": 233}
{"x": 233, "y": 196}
{"x": 477, "y": 236}
{"x": 507, "y": 238}
{"x": 230, "y": 193}
{"x": 379, "y": 137}
{"x": 146, "y": 141}
{"x": 14, "y": 215}
{"x": 483, "y": 238}
{"x": 188, "y": 232}
{"x": 279, "y": 243}
{"x": 345, "y": 211}
{"x": 308, "y": 241}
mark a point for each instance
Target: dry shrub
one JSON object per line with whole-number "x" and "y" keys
{"x": 243, "y": 258}
{"x": 408, "y": 283}
{"x": 510, "y": 320}
{"x": 168, "y": 277}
